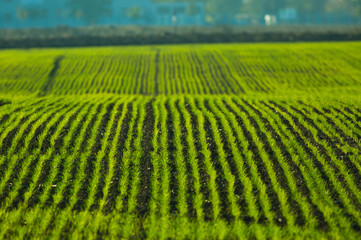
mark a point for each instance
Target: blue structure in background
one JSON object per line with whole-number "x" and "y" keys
{"x": 159, "y": 14}
{"x": 52, "y": 13}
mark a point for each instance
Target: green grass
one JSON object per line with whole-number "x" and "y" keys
{"x": 219, "y": 141}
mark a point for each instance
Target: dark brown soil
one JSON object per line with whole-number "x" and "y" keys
{"x": 172, "y": 165}
{"x": 146, "y": 166}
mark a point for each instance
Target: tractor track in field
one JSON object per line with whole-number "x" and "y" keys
{"x": 48, "y": 85}
{"x": 156, "y": 75}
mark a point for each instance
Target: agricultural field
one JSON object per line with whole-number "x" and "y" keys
{"x": 226, "y": 141}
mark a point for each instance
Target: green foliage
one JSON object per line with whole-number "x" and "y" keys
{"x": 356, "y": 6}
{"x": 195, "y": 141}
{"x": 134, "y": 12}
{"x": 89, "y": 10}
{"x": 193, "y": 9}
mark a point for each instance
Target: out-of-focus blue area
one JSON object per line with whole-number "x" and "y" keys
{"x": 46, "y": 14}
{"x": 53, "y": 13}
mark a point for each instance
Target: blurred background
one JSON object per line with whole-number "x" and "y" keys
{"x": 17, "y": 14}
